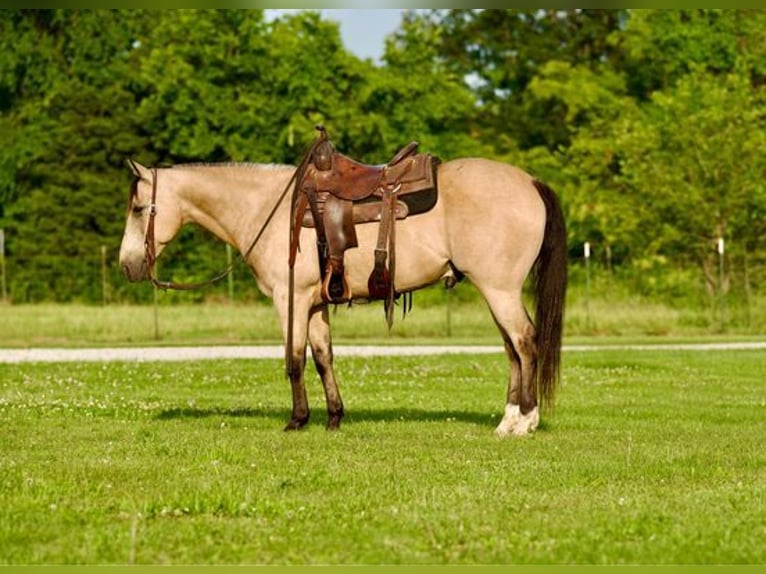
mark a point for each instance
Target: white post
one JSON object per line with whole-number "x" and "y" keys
{"x": 721, "y": 295}
{"x": 586, "y": 252}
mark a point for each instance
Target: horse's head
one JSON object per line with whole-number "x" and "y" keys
{"x": 153, "y": 220}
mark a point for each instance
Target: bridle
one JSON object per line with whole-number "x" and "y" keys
{"x": 150, "y": 250}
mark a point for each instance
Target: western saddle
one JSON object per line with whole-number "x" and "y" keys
{"x": 333, "y": 193}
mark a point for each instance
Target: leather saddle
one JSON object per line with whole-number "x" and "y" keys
{"x": 334, "y": 193}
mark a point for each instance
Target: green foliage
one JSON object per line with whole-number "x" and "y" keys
{"x": 650, "y": 458}
{"x": 723, "y": 179}
{"x": 662, "y": 46}
{"x": 648, "y": 123}
{"x": 71, "y": 123}
{"x": 664, "y": 170}
{"x": 504, "y": 50}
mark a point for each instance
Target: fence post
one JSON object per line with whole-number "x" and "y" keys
{"x": 104, "y": 296}
{"x": 230, "y": 278}
{"x": 722, "y": 295}
{"x": 586, "y": 249}
{"x": 2, "y": 265}
{"x": 156, "y": 315}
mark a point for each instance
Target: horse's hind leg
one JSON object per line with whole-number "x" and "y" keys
{"x": 521, "y": 415}
{"x": 321, "y": 348}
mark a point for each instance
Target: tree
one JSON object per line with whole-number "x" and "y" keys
{"x": 631, "y": 115}
{"x": 662, "y": 46}
{"x": 593, "y": 103}
{"x": 69, "y": 113}
{"x": 696, "y": 153}
{"x": 416, "y": 95}
{"x": 651, "y": 138}
{"x": 502, "y": 51}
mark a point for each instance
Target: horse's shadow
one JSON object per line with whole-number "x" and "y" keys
{"x": 357, "y": 416}
{"x": 201, "y": 413}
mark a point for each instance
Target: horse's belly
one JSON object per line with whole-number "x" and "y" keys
{"x": 421, "y": 254}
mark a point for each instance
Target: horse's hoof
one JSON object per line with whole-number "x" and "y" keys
{"x": 296, "y": 424}
{"x": 510, "y": 418}
{"x": 517, "y": 424}
{"x": 333, "y": 423}
{"x": 334, "y": 418}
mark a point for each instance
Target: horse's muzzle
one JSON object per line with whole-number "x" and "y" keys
{"x": 135, "y": 273}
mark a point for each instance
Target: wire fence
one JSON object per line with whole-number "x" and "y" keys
{"x": 97, "y": 279}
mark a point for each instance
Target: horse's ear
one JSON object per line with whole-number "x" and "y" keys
{"x": 138, "y": 170}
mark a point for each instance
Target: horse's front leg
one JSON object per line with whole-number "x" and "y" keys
{"x": 296, "y": 358}
{"x": 300, "y": 414}
{"x": 320, "y": 339}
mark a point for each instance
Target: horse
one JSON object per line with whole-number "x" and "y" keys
{"x": 493, "y": 223}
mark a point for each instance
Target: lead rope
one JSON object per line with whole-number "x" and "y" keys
{"x": 294, "y": 243}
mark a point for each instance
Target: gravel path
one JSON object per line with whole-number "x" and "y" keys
{"x": 276, "y": 351}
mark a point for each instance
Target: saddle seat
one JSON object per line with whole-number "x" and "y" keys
{"x": 355, "y": 181}
{"x": 363, "y": 185}
{"x": 351, "y": 180}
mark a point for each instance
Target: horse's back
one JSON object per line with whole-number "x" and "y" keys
{"x": 485, "y": 183}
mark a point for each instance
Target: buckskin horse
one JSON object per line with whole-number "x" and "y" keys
{"x": 491, "y": 223}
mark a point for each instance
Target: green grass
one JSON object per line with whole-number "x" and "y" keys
{"x": 461, "y": 322}
{"x": 50, "y": 325}
{"x": 651, "y": 457}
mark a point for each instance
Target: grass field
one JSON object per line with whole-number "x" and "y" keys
{"x": 461, "y": 322}
{"x": 651, "y": 457}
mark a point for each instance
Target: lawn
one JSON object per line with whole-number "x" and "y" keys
{"x": 451, "y": 322}
{"x": 650, "y": 457}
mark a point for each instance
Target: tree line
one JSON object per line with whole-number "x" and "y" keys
{"x": 648, "y": 123}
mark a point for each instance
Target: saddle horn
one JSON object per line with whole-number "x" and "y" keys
{"x": 324, "y": 150}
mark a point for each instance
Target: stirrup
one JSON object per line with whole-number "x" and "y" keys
{"x": 379, "y": 282}
{"x": 335, "y": 288}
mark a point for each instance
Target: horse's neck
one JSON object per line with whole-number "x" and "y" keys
{"x": 229, "y": 201}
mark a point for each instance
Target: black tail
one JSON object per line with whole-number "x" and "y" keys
{"x": 550, "y": 281}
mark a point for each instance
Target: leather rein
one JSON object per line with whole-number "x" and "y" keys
{"x": 151, "y": 253}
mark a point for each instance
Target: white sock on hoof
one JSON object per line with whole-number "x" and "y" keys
{"x": 511, "y": 417}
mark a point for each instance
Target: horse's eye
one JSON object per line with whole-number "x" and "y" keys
{"x": 138, "y": 209}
